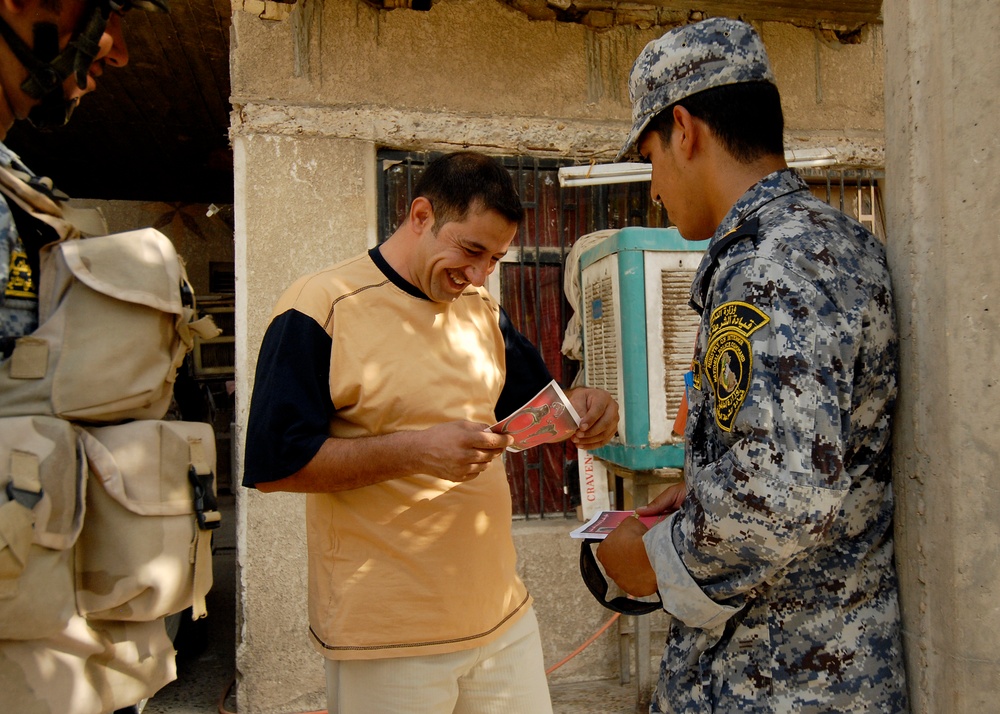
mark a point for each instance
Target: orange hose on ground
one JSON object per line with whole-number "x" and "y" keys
{"x": 584, "y": 646}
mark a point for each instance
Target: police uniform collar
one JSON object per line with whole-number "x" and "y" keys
{"x": 772, "y": 186}
{"x": 741, "y": 222}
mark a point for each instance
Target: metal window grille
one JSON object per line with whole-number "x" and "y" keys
{"x": 543, "y": 480}
{"x": 853, "y": 191}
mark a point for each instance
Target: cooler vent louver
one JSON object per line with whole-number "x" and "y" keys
{"x": 639, "y": 334}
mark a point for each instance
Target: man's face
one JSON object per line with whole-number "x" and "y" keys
{"x": 674, "y": 187}
{"x": 66, "y": 16}
{"x": 457, "y": 254}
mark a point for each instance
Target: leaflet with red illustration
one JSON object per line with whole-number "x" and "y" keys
{"x": 548, "y": 416}
{"x": 603, "y": 522}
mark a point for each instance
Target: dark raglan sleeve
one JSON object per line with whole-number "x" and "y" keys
{"x": 526, "y": 371}
{"x": 290, "y": 409}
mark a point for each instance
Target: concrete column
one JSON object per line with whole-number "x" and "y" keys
{"x": 943, "y": 217}
{"x": 300, "y": 204}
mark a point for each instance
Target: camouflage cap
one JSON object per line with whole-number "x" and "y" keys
{"x": 688, "y": 60}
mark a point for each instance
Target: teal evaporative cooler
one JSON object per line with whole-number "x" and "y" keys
{"x": 638, "y": 337}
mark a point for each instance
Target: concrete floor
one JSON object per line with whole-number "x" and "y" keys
{"x": 205, "y": 675}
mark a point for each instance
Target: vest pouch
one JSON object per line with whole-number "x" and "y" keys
{"x": 145, "y": 550}
{"x": 90, "y": 667}
{"x": 116, "y": 320}
{"x": 42, "y": 477}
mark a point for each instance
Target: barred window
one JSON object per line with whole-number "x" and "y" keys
{"x": 529, "y": 281}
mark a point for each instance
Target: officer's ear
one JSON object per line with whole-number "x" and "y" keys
{"x": 686, "y": 132}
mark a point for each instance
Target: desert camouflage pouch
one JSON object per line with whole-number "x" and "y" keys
{"x": 42, "y": 479}
{"x": 145, "y": 550}
{"x": 87, "y": 668}
{"x": 117, "y": 317}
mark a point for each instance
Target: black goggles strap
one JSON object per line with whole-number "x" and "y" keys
{"x": 597, "y": 584}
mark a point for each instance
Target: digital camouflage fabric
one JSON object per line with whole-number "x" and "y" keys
{"x": 688, "y": 60}
{"x": 779, "y": 566}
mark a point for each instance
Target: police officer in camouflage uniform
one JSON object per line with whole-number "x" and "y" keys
{"x": 777, "y": 560}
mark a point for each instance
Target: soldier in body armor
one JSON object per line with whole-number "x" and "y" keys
{"x": 52, "y": 53}
{"x": 41, "y": 91}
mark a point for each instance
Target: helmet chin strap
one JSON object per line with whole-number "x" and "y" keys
{"x": 48, "y": 68}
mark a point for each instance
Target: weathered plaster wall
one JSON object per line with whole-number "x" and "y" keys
{"x": 317, "y": 88}
{"x": 942, "y": 153}
{"x": 477, "y": 73}
{"x": 302, "y": 203}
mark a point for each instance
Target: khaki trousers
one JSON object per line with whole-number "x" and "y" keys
{"x": 507, "y": 676}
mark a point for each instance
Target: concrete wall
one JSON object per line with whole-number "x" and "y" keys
{"x": 301, "y": 203}
{"x": 943, "y": 206}
{"x": 478, "y": 73}
{"x": 317, "y": 88}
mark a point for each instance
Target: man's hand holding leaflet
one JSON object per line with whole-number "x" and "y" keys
{"x": 454, "y": 451}
{"x": 598, "y": 417}
{"x": 407, "y": 503}
{"x": 548, "y": 416}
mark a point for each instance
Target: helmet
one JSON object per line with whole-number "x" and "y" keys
{"x": 48, "y": 68}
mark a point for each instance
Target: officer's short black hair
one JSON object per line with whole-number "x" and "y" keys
{"x": 746, "y": 117}
{"x": 464, "y": 180}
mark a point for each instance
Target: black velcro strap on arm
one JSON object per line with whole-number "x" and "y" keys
{"x": 597, "y": 584}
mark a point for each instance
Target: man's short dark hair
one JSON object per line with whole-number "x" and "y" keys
{"x": 746, "y": 117}
{"x": 455, "y": 183}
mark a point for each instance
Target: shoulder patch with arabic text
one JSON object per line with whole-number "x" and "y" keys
{"x": 729, "y": 359}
